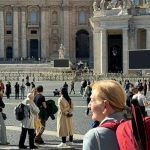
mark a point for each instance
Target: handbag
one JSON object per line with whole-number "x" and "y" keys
{"x": 69, "y": 115}
{"x": 4, "y": 116}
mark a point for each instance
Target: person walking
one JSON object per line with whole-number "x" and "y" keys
{"x": 17, "y": 87}
{"x": 8, "y": 90}
{"x": 40, "y": 102}
{"x": 66, "y": 86}
{"x": 87, "y": 93}
{"x": 2, "y": 87}
{"x": 22, "y": 90}
{"x": 28, "y": 86}
{"x": 83, "y": 85}
{"x": 31, "y": 110}
{"x": 145, "y": 87}
{"x": 32, "y": 85}
{"x": 3, "y": 137}
{"x": 64, "y": 118}
{"x": 141, "y": 99}
{"x": 72, "y": 87}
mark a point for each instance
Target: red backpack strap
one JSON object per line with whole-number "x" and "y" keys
{"x": 113, "y": 125}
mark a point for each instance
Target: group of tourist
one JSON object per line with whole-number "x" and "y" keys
{"x": 34, "y": 123}
{"x": 19, "y": 89}
{"x": 107, "y": 100}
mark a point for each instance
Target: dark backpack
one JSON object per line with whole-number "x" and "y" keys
{"x": 132, "y": 134}
{"x": 19, "y": 112}
{"x": 89, "y": 91}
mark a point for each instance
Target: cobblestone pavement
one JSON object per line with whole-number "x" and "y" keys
{"x": 81, "y": 120}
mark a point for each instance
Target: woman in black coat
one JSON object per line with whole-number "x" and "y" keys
{"x": 8, "y": 90}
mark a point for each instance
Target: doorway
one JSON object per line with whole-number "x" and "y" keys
{"x": 82, "y": 44}
{"x": 34, "y": 49}
{"x": 115, "y": 61}
{"x": 9, "y": 52}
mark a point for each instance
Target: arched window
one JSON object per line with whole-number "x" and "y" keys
{"x": 54, "y": 18}
{"x": 8, "y": 18}
{"x": 82, "y": 17}
{"x": 33, "y": 17}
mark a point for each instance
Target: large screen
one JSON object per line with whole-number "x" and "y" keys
{"x": 139, "y": 59}
{"x": 61, "y": 63}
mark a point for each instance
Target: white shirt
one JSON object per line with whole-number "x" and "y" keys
{"x": 140, "y": 97}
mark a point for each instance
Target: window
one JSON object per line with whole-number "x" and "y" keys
{"x": 33, "y": 17}
{"x": 82, "y": 17}
{"x": 8, "y": 32}
{"x": 8, "y": 18}
{"x": 33, "y": 31}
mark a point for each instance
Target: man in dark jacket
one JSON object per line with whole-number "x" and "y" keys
{"x": 41, "y": 104}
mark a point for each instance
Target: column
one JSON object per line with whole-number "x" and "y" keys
{"x": 96, "y": 50}
{"x": 135, "y": 39}
{"x": 148, "y": 38}
{"x": 103, "y": 49}
{"x": 1, "y": 33}
{"x": 23, "y": 33}
{"x": 125, "y": 51}
{"x": 66, "y": 30}
{"x": 15, "y": 33}
{"x": 132, "y": 38}
{"x": 44, "y": 39}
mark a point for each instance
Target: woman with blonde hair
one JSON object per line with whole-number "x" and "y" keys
{"x": 107, "y": 103}
{"x": 30, "y": 110}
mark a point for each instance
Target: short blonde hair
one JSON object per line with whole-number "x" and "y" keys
{"x": 112, "y": 91}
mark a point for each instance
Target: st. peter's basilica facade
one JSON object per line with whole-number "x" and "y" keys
{"x": 109, "y": 34}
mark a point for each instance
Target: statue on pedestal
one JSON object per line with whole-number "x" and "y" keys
{"x": 61, "y": 51}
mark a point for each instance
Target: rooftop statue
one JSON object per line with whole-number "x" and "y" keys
{"x": 95, "y": 8}
{"x": 113, "y": 4}
{"x": 102, "y": 4}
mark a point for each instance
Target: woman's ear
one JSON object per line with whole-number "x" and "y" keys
{"x": 106, "y": 106}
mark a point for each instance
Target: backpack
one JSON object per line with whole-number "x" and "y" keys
{"x": 132, "y": 134}
{"x": 19, "y": 112}
{"x": 89, "y": 91}
{"x": 51, "y": 108}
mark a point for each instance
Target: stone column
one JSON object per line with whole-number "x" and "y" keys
{"x": 103, "y": 49}
{"x": 1, "y": 33}
{"x": 125, "y": 51}
{"x": 132, "y": 39}
{"x": 66, "y": 30}
{"x": 96, "y": 50}
{"x": 23, "y": 33}
{"x": 44, "y": 32}
{"x": 15, "y": 33}
{"x": 135, "y": 39}
{"x": 148, "y": 38}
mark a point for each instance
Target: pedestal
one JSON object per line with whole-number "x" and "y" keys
{"x": 61, "y": 63}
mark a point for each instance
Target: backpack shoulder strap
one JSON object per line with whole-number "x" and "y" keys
{"x": 113, "y": 125}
